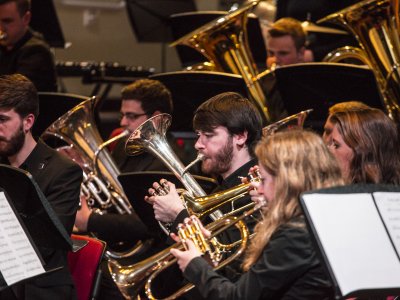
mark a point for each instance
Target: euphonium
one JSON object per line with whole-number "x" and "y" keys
{"x": 224, "y": 43}
{"x": 374, "y": 23}
{"x": 78, "y": 129}
{"x": 150, "y": 136}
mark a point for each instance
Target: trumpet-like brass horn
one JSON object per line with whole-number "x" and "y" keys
{"x": 131, "y": 279}
{"x": 290, "y": 122}
{"x": 375, "y": 25}
{"x": 224, "y": 43}
{"x": 202, "y": 206}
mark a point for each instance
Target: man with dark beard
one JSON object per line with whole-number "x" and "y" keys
{"x": 58, "y": 178}
{"x": 228, "y": 127}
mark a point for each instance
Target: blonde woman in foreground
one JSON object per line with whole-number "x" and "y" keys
{"x": 280, "y": 262}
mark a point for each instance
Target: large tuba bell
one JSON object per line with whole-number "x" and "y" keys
{"x": 78, "y": 129}
{"x": 224, "y": 43}
{"x": 374, "y": 23}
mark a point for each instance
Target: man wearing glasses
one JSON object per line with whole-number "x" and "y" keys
{"x": 141, "y": 100}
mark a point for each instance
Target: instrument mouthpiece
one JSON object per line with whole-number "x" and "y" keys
{"x": 199, "y": 157}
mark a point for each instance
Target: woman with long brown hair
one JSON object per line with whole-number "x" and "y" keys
{"x": 366, "y": 145}
{"x": 281, "y": 262}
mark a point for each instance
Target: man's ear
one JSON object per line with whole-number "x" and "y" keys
{"x": 28, "y": 122}
{"x": 241, "y": 138}
{"x": 300, "y": 54}
{"x": 26, "y": 18}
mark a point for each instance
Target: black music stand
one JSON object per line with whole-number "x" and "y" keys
{"x": 184, "y": 23}
{"x": 136, "y": 185}
{"x": 190, "y": 89}
{"x": 34, "y": 209}
{"x": 320, "y": 85}
{"x": 150, "y": 20}
{"x": 355, "y": 230}
{"x": 45, "y": 20}
{"x": 34, "y": 213}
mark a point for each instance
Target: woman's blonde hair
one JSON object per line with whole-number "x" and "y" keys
{"x": 299, "y": 161}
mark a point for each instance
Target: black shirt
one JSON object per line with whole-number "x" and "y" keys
{"x": 223, "y": 184}
{"x": 288, "y": 268}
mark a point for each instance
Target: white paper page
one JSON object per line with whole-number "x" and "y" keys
{"x": 389, "y": 207}
{"x": 18, "y": 259}
{"x": 354, "y": 240}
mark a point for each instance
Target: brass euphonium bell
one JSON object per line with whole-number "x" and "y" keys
{"x": 374, "y": 23}
{"x": 78, "y": 129}
{"x": 224, "y": 43}
{"x": 150, "y": 136}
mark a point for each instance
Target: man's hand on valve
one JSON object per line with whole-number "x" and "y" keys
{"x": 166, "y": 201}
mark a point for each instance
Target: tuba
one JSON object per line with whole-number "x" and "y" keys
{"x": 224, "y": 43}
{"x": 78, "y": 129}
{"x": 374, "y": 23}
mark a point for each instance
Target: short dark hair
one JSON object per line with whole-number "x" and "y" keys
{"x": 232, "y": 111}
{"x": 22, "y": 5}
{"x": 19, "y": 93}
{"x": 152, "y": 94}
{"x": 291, "y": 27}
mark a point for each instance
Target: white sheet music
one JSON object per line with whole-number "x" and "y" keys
{"x": 18, "y": 259}
{"x": 355, "y": 241}
{"x": 389, "y": 207}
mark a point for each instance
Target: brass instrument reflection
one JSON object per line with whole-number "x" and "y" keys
{"x": 375, "y": 25}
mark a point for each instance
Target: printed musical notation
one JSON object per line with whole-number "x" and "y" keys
{"x": 18, "y": 258}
